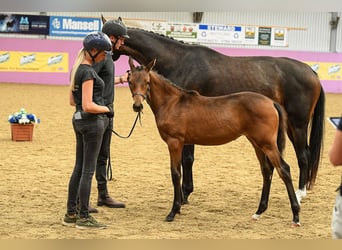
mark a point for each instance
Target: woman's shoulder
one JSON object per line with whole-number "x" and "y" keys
{"x": 86, "y": 68}
{"x": 86, "y": 71}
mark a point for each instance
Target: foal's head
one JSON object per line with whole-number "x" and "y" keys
{"x": 138, "y": 82}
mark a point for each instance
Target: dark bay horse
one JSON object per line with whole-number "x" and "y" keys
{"x": 289, "y": 82}
{"x": 185, "y": 117}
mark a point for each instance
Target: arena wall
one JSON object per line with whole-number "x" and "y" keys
{"x": 331, "y": 83}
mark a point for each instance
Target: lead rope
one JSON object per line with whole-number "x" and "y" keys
{"x": 135, "y": 122}
{"x": 109, "y": 171}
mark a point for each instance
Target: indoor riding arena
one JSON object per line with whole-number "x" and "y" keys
{"x": 227, "y": 179}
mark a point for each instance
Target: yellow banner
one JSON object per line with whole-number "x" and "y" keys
{"x": 19, "y": 61}
{"x": 327, "y": 70}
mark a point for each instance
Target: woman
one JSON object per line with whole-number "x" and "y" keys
{"x": 89, "y": 122}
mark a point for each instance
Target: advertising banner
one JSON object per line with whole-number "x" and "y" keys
{"x": 251, "y": 35}
{"x": 24, "y": 24}
{"x": 220, "y": 34}
{"x": 265, "y": 36}
{"x": 279, "y": 37}
{"x": 327, "y": 70}
{"x": 19, "y": 61}
{"x": 159, "y": 27}
{"x": 186, "y": 32}
{"x": 73, "y": 26}
{"x": 248, "y": 35}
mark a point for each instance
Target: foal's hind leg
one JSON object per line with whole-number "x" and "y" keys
{"x": 283, "y": 170}
{"x": 187, "y": 163}
{"x": 285, "y": 175}
{"x": 267, "y": 173}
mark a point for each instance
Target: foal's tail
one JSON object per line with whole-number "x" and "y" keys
{"x": 281, "y": 127}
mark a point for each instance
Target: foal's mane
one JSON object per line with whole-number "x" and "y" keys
{"x": 167, "y": 81}
{"x": 189, "y": 92}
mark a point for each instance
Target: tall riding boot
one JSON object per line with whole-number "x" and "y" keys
{"x": 105, "y": 200}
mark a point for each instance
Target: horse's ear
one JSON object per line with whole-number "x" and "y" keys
{"x": 103, "y": 19}
{"x": 151, "y": 65}
{"x": 119, "y": 18}
{"x": 131, "y": 64}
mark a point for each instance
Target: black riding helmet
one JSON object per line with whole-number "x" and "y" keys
{"x": 97, "y": 40}
{"x": 115, "y": 28}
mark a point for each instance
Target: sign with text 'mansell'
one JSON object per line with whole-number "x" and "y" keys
{"x": 73, "y": 26}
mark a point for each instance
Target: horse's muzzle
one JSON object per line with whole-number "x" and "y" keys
{"x": 138, "y": 107}
{"x": 138, "y": 98}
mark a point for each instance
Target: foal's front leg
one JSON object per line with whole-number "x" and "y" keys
{"x": 175, "y": 150}
{"x": 187, "y": 163}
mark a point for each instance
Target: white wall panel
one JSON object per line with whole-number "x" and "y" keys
{"x": 308, "y": 31}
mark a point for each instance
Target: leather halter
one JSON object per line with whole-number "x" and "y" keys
{"x": 137, "y": 93}
{"x": 144, "y": 96}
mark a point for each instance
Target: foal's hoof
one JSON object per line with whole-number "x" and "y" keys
{"x": 169, "y": 218}
{"x": 185, "y": 201}
{"x": 295, "y": 224}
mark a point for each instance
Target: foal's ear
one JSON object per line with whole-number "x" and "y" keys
{"x": 151, "y": 65}
{"x": 103, "y": 19}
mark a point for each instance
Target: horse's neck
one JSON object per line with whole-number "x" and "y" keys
{"x": 162, "y": 92}
{"x": 146, "y": 46}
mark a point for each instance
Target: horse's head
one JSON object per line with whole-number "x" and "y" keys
{"x": 138, "y": 82}
{"x": 116, "y": 53}
{"x": 142, "y": 45}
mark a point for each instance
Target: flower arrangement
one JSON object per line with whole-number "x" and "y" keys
{"x": 22, "y": 117}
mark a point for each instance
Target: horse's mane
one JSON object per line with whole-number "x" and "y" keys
{"x": 158, "y": 34}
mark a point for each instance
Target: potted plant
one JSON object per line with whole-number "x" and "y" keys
{"x": 22, "y": 124}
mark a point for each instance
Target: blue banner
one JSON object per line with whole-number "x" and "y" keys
{"x": 73, "y": 26}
